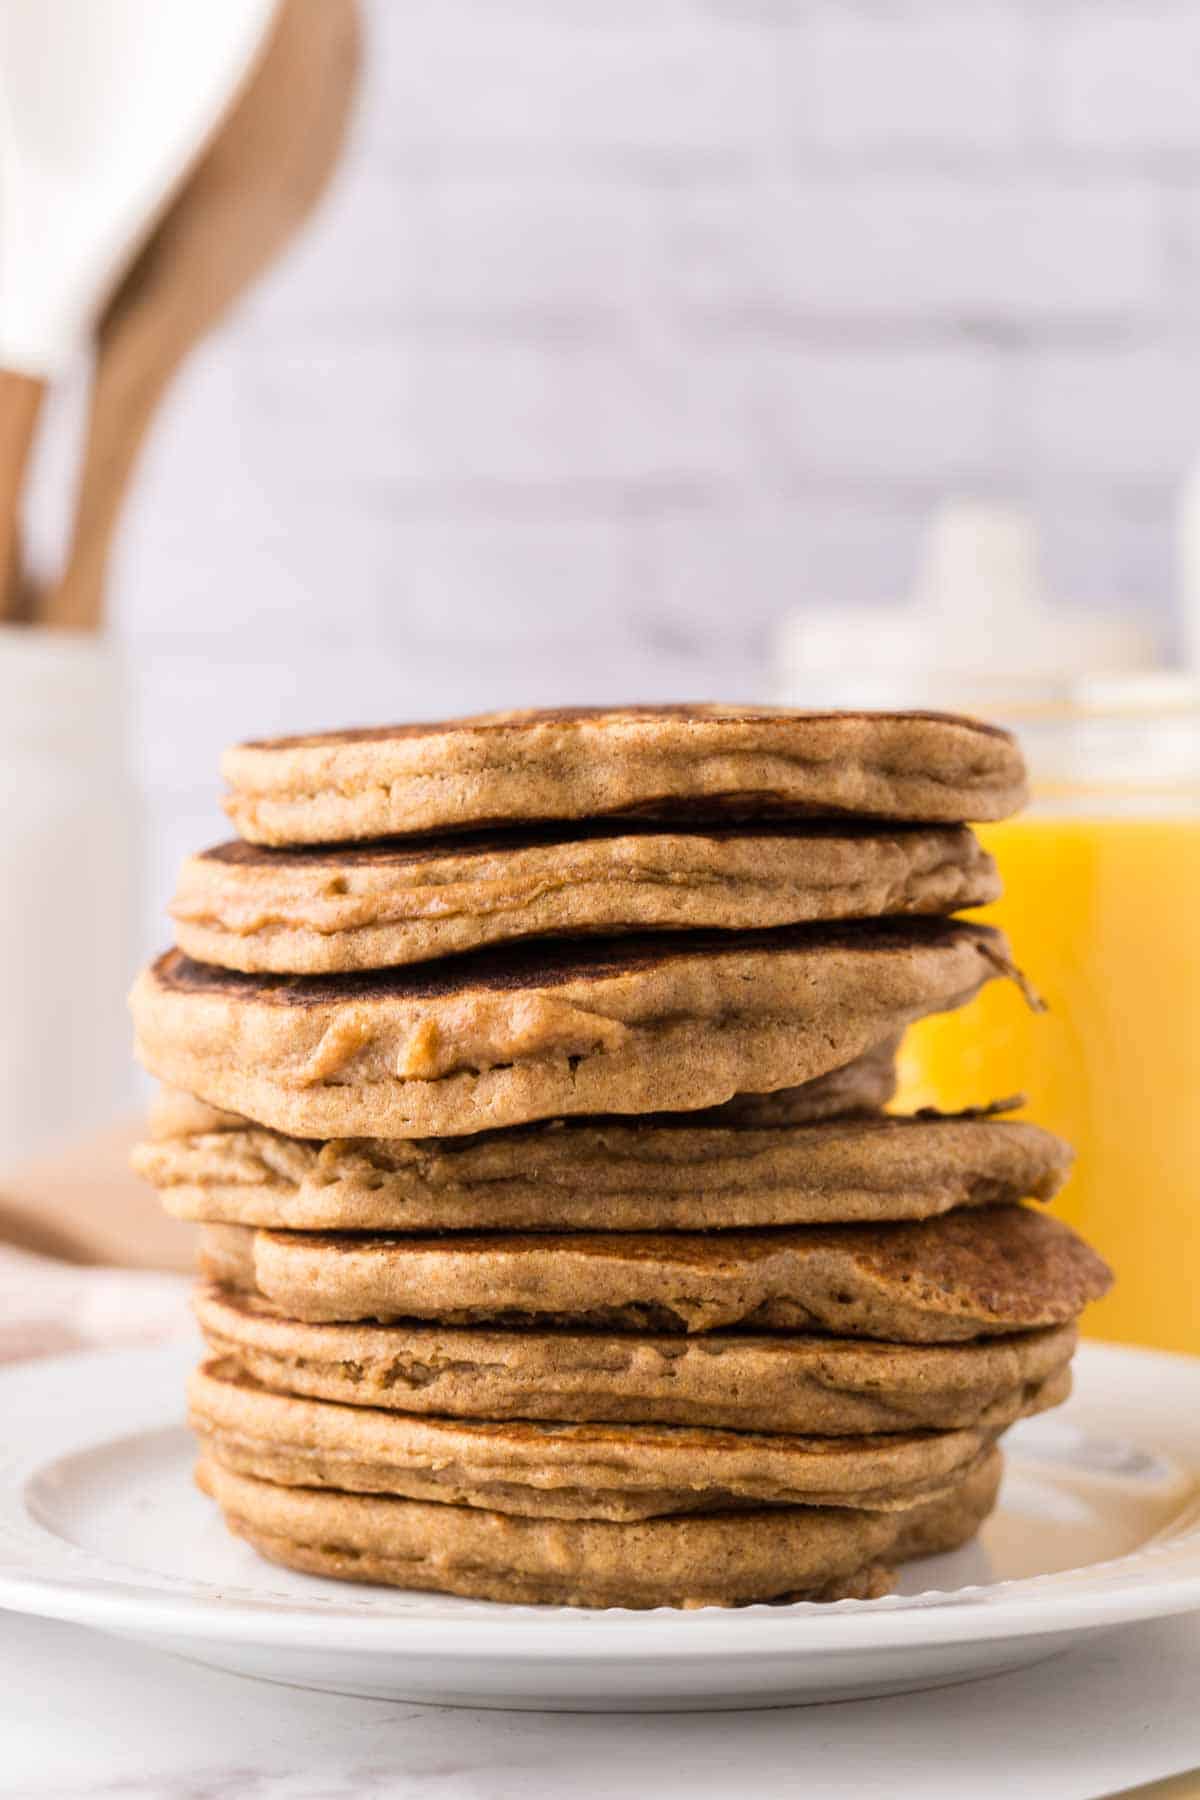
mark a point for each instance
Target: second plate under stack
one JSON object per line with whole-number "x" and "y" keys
{"x": 556, "y": 1246}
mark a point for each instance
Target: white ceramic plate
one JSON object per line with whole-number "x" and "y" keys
{"x": 99, "y": 1523}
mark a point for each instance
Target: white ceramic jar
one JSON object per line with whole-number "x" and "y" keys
{"x": 68, "y": 888}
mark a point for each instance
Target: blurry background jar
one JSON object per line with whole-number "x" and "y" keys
{"x": 1099, "y": 905}
{"x": 69, "y": 897}
{"x": 1100, "y": 877}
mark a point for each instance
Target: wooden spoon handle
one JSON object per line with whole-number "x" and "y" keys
{"x": 254, "y": 186}
{"x": 126, "y": 387}
{"x": 20, "y": 403}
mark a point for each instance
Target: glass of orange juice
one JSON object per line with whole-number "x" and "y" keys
{"x": 1102, "y": 879}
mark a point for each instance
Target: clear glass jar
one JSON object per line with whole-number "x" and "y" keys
{"x": 1102, "y": 875}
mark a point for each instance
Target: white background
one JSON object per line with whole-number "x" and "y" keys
{"x": 131, "y": 1724}
{"x": 631, "y": 324}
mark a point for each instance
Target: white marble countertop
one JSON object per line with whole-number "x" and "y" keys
{"x": 84, "y": 1715}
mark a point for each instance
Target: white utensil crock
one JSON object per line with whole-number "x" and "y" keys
{"x": 68, "y": 922}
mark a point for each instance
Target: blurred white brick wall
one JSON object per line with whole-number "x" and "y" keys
{"x": 631, "y": 324}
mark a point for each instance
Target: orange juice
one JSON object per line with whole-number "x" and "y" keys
{"x": 1101, "y": 912}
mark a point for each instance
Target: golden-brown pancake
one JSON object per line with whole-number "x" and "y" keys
{"x": 682, "y": 1171}
{"x": 564, "y": 1471}
{"x": 964, "y": 1275}
{"x": 334, "y": 910}
{"x": 656, "y": 762}
{"x": 543, "y": 1030}
{"x": 729, "y": 1559}
{"x": 766, "y": 1382}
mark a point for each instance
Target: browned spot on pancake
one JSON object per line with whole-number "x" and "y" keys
{"x": 1010, "y": 1261}
{"x": 554, "y": 962}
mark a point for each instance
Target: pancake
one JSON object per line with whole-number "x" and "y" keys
{"x": 730, "y": 1559}
{"x": 562, "y": 1471}
{"x": 805, "y": 1385}
{"x": 942, "y": 1280}
{"x": 328, "y": 911}
{"x": 699, "y": 762}
{"x": 861, "y": 1087}
{"x": 677, "y": 1171}
{"x": 865, "y": 1084}
{"x": 531, "y": 1031}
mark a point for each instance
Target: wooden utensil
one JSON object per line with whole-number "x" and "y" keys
{"x": 260, "y": 177}
{"x": 104, "y": 104}
{"x": 1185, "y": 1786}
{"x": 20, "y": 404}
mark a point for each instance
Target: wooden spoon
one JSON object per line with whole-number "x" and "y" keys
{"x": 20, "y": 404}
{"x": 260, "y": 177}
{"x": 104, "y": 105}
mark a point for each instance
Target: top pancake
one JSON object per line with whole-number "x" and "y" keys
{"x": 328, "y": 911}
{"x": 655, "y": 762}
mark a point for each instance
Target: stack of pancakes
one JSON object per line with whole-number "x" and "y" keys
{"x": 526, "y": 1075}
